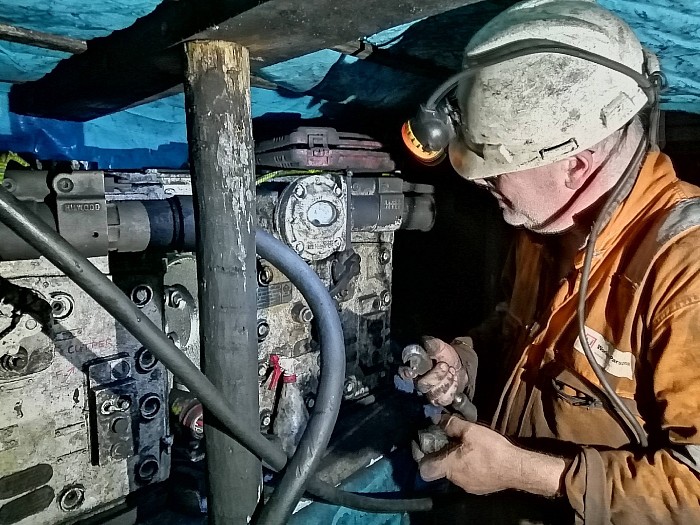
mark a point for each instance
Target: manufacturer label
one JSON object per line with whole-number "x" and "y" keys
{"x": 274, "y": 294}
{"x": 71, "y": 207}
{"x": 392, "y": 204}
{"x": 613, "y": 361}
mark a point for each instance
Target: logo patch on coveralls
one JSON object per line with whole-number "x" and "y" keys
{"x": 612, "y": 360}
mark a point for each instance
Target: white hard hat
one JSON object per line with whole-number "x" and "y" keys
{"x": 534, "y": 110}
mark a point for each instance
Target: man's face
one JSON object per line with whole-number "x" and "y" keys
{"x": 536, "y": 199}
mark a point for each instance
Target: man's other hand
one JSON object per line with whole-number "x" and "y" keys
{"x": 482, "y": 461}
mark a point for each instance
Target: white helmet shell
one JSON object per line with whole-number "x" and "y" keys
{"x": 537, "y": 109}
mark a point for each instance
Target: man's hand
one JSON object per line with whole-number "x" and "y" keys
{"x": 483, "y": 461}
{"x": 447, "y": 378}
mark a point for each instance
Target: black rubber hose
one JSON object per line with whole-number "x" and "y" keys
{"x": 385, "y": 503}
{"x": 629, "y": 422}
{"x": 25, "y": 224}
{"x": 318, "y": 431}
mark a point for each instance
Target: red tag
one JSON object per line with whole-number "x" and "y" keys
{"x": 276, "y": 372}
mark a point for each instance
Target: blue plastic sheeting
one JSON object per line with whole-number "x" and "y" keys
{"x": 82, "y": 19}
{"x": 21, "y": 63}
{"x": 154, "y": 134}
{"x": 150, "y": 135}
{"x": 77, "y": 18}
{"x": 392, "y": 474}
{"x": 670, "y": 28}
{"x": 303, "y": 73}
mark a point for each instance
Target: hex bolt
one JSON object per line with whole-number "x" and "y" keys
{"x": 175, "y": 299}
{"x": 337, "y": 242}
{"x": 298, "y": 246}
{"x": 299, "y": 191}
{"x": 9, "y": 185}
{"x": 119, "y": 450}
{"x": 386, "y": 297}
{"x": 31, "y": 324}
{"x": 61, "y": 305}
{"x": 310, "y": 402}
{"x": 302, "y": 313}
{"x": 120, "y": 425}
{"x": 65, "y": 185}
{"x": 121, "y": 370}
{"x": 265, "y": 276}
{"x": 71, "y": 498}
{"x": 147, "y": 469}
{"x": 265, "y": 419}
{"x": 262, "y": 369}
{"x": 57, "y": 308}
{"x": 14, "y": 363}
{"x": 306, "y": 314}
{"x": 338, "y": 191}
{"x": 123, "y": 403}
{"x": 145, "y": 360}
{"x": 384, "y": 256}
{"x": 349, "y": 386}
{"x": 263, "y": 329}
{"x": 150, "y": 406}
{"x": 141, "y": 295}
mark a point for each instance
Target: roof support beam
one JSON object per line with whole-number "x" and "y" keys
{"x": 39, "y": 39}
{"x": 144, "y": 60}
{"x": 220, "y": 133}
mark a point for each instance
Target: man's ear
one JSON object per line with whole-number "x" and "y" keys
{"x": 580, "y": 167}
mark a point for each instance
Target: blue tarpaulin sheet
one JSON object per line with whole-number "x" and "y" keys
{"x": 154, "y": 135}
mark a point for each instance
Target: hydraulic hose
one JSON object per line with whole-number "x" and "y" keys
{"x": 29, "y": 227}
{"x": 330, "y": 389}
{"x": 618, "y": 193}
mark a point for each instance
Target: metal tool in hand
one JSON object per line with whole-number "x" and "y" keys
{"x": 418, "y": 363}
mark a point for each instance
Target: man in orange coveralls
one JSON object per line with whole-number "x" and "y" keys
{"x": 552, "y": 136}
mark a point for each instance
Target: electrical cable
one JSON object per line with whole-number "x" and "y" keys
{"x": 618, "y": 193}
{"x": 29, "y": 227}
{"x": 267, "y": 177}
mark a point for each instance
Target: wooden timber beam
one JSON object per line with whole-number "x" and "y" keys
{"x": 142, "y": 61}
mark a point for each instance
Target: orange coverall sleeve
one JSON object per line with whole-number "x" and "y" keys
{"x": 660, "y": 485}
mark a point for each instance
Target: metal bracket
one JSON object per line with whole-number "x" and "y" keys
{"x": 324, "y": 148}
{"x": 81, "y": 211}
{"x": 113, "y": 395}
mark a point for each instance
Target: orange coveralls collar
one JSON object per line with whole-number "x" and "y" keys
{"x": 646, "y": 333}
